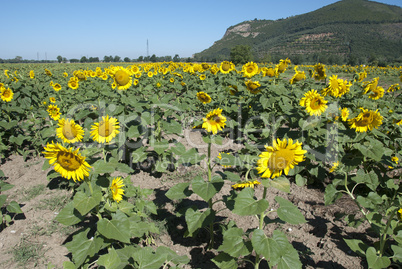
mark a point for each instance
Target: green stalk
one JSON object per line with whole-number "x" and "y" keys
{"x": 261, "y": 226}
{"x": 210, "y": 204}
{"x": 92, "y": 193}
{"x": 383, "y": 238}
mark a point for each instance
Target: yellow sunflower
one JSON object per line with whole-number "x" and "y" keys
{"x": 250, "y": 69}
{"x": 122, "y": 78}
{"x": 117, "y": 189}
{"x": 105, "y": 130}
{"x": 47, "y": 71}
{"x": 220, "y": 158}
{"x": 214, "y": 121}
{"x": 252, "y": 86}
{"x": 226, "y": 67}
{"x": 280, "y": 157}
{"x": 319, "y": 72}
{"x": 297, "y": 76}
{"x": 366, "y": 120}
{"x": 376, "y": 93}
{"x": 69, "y": 131}
{"x": 54, "y": 112}
{"x": 281, "y": 67}
{"x": 204, "y": 97}
{"x": 246, "y": 184}
{"x": 6, "y": 94}
{"x": 32, "y": 74}
{"x": 336, "y": 87}
{"x": 344, "y": 113}
{"x": 370, "y": 85}
{"x": 73, "y": 84}
{"x": 56, "y": 87}
{"x": 394, "y": 87}
{"x": 399, "y": 123}
{"x": 334, "y": 166}
{"x": 270, "y": 72}
{"x": 67, "y": 161}
{"x": 52, "y": 99}
{"x": 314, "y": 103}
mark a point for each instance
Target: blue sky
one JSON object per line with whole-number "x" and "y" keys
{"x": 89, "y": 28}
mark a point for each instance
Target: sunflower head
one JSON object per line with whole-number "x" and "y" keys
{"x": 69, "y": 132}
{"x": 253, "y": 86}
{"x": 122, "y": 78}
{"x": 245, "y": 184}
{"x": 117, "y": 189}
{"x": 214, "y": 121}
{"x": 54, "y": 112}
{"x": 366, "y": 120}
{"x": 226, "y": 67}
{"x": 314, "y": 103}
{"x": 67, "y": 161}
{"x": 6, "y": 94}
{"x": 105, "y": 130}
{"x": 56, "y": 87}
{"x": 204, "y": 97}
{"x": 250, "y": 69}
{"x": 282, "y": 156}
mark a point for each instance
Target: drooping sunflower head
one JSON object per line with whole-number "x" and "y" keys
{"x": 282, "y": 156}
{"x": 245, "y": 184}
{"x": 68, "y": 131}
{"x": 214, "y": 121}
{"x": 204, "y": 97}
{"x": 122, "y": 78}
{"x": 117, "y": 189}
{"x": 47, "y": 71}
{"x": 282, "y": 65}
{"x": 253, "y": 86}
{"x": 366, "y": 120}
{"x": 319, "y": 72}
{"x": 299, "y": 75}
{"x": 6, "y": 94}
{"x": 376, "y": 93}
{"x": 394, "y": 87}
{"x": 371, "y": 85}
{"x": 105, "y": 130}
{"x": 67, "y": 161}
{"x": 250, "y": 69}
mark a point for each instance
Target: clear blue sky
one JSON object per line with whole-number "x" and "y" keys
{"x": 89, "y": 28}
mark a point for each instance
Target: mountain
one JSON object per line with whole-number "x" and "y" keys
{"x": 348, "y": 30}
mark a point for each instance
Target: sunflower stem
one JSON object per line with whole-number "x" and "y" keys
{"x": 260, "y": 227}
{"x": 210, "y": 203}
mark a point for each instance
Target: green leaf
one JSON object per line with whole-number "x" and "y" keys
{"x": 376, "y": 262}
{"x": 206, "y": 190}
{"x": 172, "y": 127}
{"x": 370, "y": 179}
{"x": 265, "y": 246}
{"x": 374, "y": 152}
{"x": 69, "y": 215}
{"x": 288, "y": 256}
{"x": 196, "y": 219}
{"x": 69, "y": 265}
{"x": 179, "y": 191}
{"x": 234, "y": 244}
{"x": 397, "y": 253}
{"x": 161, "y": 147}
{"x": 357, "y": 246}
{"x": 3, "y": 199}
{"x": 280, "y": 183}
{"x": 147, "y": 259}
{"x": 110, "y": 260}
{"x": 331, "y": 194}
{"x": 84, "y": 203}
{"x": 14, "y": 207}
{"x": 118, "y": 228}
{"x": 100, "y": 167}
{"x": 300, "y": 180}
{"x": 225, "y": 261}
{"x": 289, "y": 212}
{"x": 80, "y": 247}
{"x": 171, "y": 255}
{"x": 247, "y": 205}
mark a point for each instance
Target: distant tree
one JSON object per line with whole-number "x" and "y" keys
{"x": 127, "y": 60}
{"x": 64, "y": 60}
{"x": 59, "y": 59}
{"x": 83, "y": 59}
{"x": 116, "y": 59}
{"x": 176, "y": 58}
{"x": 140, "y": 59}
{"x": 153, "y": 58}
{"x": 107, "y": 58}
{"x": 74, "y": 60}
{"x": 241, "y": 54}
{"x": 93, "y": 59}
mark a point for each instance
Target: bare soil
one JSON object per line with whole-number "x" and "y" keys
{"x": 319, "y": 241}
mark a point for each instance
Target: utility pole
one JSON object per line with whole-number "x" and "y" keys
{"x": 147, "y": 49}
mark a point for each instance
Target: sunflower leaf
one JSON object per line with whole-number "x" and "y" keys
{"x": 206, "y": 190}
{"x": 288, "y": 256}
{"x": 118, "y": 228}
{"x": 289, "y": 212}
{"x": 110, "y": 260}
{"x": 247, "y": 205}
{"x": 196, "y": 219}
{"x": 69, "y": 215}
{"x": 265, "y": 246}
{"x": 280, "y": 183}
{"x": 234, "y": 244}
{"x": 84, "y": 203}
{"x": 179, "y": 191}
{"x": 225, "y": 261}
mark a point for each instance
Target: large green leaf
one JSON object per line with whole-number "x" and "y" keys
{"x": 118, "y": 228}
{"x": 69, "y": 215}
{"x": 110, "y": 260}
{"x": 234, "y": 244}
{"x": 331, "y": 194}
{"x": 289, "y": 212}
{"x": 370, "y": 179}
{"x": 288, "y": 257}
{"x": 280, "y": 183}
{"x": 14, "y": 207}
{"x": 179, "y": 191}
{"x": 225, "y": 261}
{"x": 247, "y": 205}
{"x": 265, "y": 246}
{"x": 376, "y": 262}
{"x": 205, "y": 189}
{"x": 196, "y": 219}
{"x": 147, "y": 259}
{"x": 80, "y": 247}
{"x": 357, "y": 246}
{"x": 84, "y": 203}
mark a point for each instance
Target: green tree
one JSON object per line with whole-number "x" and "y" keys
{"x": 153, "y": 58}
{"x": 176, "y": 58}
{"x": 241, "y": 54}
{"x": 126, "y": 59}
{"x": 83, "y": 59}
{"x": 59, "y": 59}
{"x": 116, "y": 59}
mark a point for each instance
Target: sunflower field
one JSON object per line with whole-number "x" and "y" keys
{"x": 95, "y": 125}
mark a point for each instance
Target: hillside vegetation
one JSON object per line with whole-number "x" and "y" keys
{"x": 348, "y": 31}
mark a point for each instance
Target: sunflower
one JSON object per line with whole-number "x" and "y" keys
{"x": 56, "y": 87}
{"x": 281, "y": 67}
{"x": 334, "y": 166}
{"x": 344, "y": 113}
{"x": 6, "y": 94}
{"x": 202, "y": 77}
{"x": 314, "y": 103}
{"x": 67, "y": 161}
{"x": 253, "y": 86}
{"x": 376, "y": 93}
{"x": 69, "y": 131}
{"x": 52, "y": 99}
{"x": 370, "y": 85}
{"x": 73, "y": 84}
{"x": 242, "y": 185}
{"x": 297, "y": 76}
{"x": 399, "y": 123}
{"x": 270, "y": 72}
{"x": 214, "y": 121}
{"x": 360, "y": 76}
{"x": 204, "y": 97}
{"x": 54, "y": 112}
{"x": 366, "y": 120}
{"x": 79, "y": 75}
{"x": 105, "y": 130}
{"x": 281, "y": 156}
{"x": 47, "y": 71}
{"x": 32, "y": 74}
{"x": 226, "y": 67}
{"x": 117, "y": 189}
{"x": 220, "y": 158}
{"x": 171, "y": 80}
{"x": 394, "y": 87}
{"x": 319, "y": 72}
{"x": 250, "y": 69}
{"x": 400, "y": 210}
{"x": 122, "y": 78}
{"x": 65, "y": 74}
